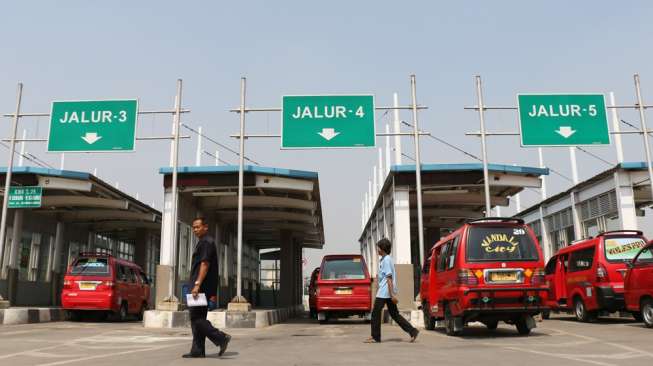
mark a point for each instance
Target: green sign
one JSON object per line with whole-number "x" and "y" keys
{"x": 87, "y": 126}
{"x": 24, "y": 197}
{"x": 327, "y": 121}
{"x": 563, "y": 119}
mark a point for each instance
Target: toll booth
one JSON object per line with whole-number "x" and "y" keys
{"x": 79, "y": 213}
{"x": 281, "y": 213}
{"x": 451, "y": 194}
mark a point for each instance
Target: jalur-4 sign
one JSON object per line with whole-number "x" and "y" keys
{"x": 87, "y": 126}
{"x": 563, "y": 119}
{"x": 327, "y": 121}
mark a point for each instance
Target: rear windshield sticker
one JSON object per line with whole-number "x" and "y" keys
{"x": 518, "y": 232}
{"x": 623, "y": 249}
{"x": 499, "y": 243}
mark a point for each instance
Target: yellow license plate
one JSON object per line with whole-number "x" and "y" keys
{"x": 343, "y": 292}
{"x": 87, "y": 286}
{"x": 503, "y": 276}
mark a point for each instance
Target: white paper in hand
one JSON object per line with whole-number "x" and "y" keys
{"x": 199, "y": 301}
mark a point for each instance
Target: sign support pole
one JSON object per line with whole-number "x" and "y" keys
{"x": 418, "y": 172}
{"x": 241, "y": 162}
{"x": 5, "y": 199}
{"x": 481, "y": 114}
{"x": 642, "y": 119}
{"x": 175, "y": 194}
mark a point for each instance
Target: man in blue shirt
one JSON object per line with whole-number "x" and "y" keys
{"x": 386, "y": 295}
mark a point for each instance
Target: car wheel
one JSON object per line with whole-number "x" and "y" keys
{"x": 581, "y": 311}
{"x": 141, "y": 312}
{"x": 453, "y": 324}
{"x": 429, "y": 321}
{"x": 492, "y": 324}
{"x": 123, "y": 312}
{"x": 522, "y": 326}
{"x": 647, "y": 312}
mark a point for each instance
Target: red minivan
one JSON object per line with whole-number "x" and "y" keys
{"x": 489, "y": 270}
{"x": 312, "y": 291}
{"x": 587, "y": 277}
{"x": 343, "y": 287}
{"x": 639, "y": 286}
{"x": 101, "y": 282}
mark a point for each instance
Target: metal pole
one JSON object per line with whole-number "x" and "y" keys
{"x": 5, "y": 198}
{"x": 175, "y": 194}
{"x": 217, "y": 157}
{"x": 481, "y": 114}
{"x": 397, "y": 128}
{"x": 543, "y": 178}
{"x": 22, "y": 149}
{"x": 574, "y": 164}
{"x": 616, "y": 128}
{"x": 642, "y": 118}
{"x": 418, "y": 171}
{"x": 198, "y": 152}
{"x": 241, "y": 163}
{"x": 388, "y": 158}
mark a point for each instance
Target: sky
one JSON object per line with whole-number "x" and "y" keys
{"x": 67, "y": 50}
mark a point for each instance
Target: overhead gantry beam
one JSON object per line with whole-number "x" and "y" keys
{"x": 83, "y": 201}
{"x": 102, "y": 215}
{"x": 231, "y": 202}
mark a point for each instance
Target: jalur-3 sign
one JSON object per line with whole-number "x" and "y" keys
{"x": 327, "y": 121}
{"x": 563, "y": 119}
{"x": 84, "y": 126}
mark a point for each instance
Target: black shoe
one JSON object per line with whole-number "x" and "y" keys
{"x": 223, "y": 346}
{"x": 414, "y": 336}
{"x": 193, "y": 355}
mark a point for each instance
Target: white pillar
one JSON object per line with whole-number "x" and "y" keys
{"x": 16, "y": 236}
{"x": 58, "y": 247}
{"x": 22, "y": 149}
{"x": 625, "y": 200}
{"x": 95, "y": 172}
{"x": 62, "y": 162}
{"x": 198, "y": 152}
{"x": 167, "y": 252}
{"x": 543, "y": 177}
{"x": 217, "y": 157}
{"x": 397, "y": 128}
{"x": 172, "y": 142}
{"x": 616, "y": 127}
{"x": 401, "y": 225}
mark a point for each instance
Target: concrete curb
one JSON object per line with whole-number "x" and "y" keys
{"x": 12, "y": 316}
{"x": 221, "y": 319}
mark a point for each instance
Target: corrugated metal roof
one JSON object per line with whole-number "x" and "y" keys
{"x": 227, "y": 169}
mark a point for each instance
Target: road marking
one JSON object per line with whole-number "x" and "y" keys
{"x": 617, "y": 345}
{"x": 113, "y": 354}
{"x": 551, "y": 354}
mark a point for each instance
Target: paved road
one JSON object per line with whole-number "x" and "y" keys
{"x": 559, "y": 341}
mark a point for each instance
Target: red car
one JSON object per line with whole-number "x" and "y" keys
{"x": 312, "y": 291}
{"x": 639, "y": 286}
{"x": 101, "y": 282}
{"x": 489, "y": 270}
{"x": 343, "y": 287}
{"x": 587, "y": 277}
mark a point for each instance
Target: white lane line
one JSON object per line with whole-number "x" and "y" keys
{"x": 617, "y": 345}
{"x": 567, "y": 357}
{"x": 113, "y": 354}
{"x": 68, "y": 343}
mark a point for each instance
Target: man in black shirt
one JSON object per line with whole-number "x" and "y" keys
{"x": 204, "y": 277}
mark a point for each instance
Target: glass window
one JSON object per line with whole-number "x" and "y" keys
{"x": 90, "y": 266}
{"x": 452, "y": 253}
{"x": 551, "y": 265}
{"x": 622, "y": 249}
{"x": 591, "y": 228}
{"x": 343, "y": 269}
{"x": 500, "y": 243}
{"x": 646, "y": 255}
{"x": 442, "y": 257}
{"x": 582, "y": 259}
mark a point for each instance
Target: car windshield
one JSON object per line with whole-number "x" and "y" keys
{"x": 622, "y": 249}
{"x": 343, "y": 269}
{"x": 500, "y": 243}
{"x": 90, "y": 266}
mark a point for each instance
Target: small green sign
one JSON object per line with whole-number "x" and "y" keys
{"x": 563, "y": 119}
{"x": 88, "y": 126}
{"x": 327, "y": 121}
{"x": 25, "y": 197}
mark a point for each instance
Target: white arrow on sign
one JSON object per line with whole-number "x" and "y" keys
{"x": 328, "y": 133}
{"x": 565, "y": 131}
{"x": 91, "y": 137}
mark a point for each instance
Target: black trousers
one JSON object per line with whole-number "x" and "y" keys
{"x": 203, "y": 329}
{"x": 379, "y": 303}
